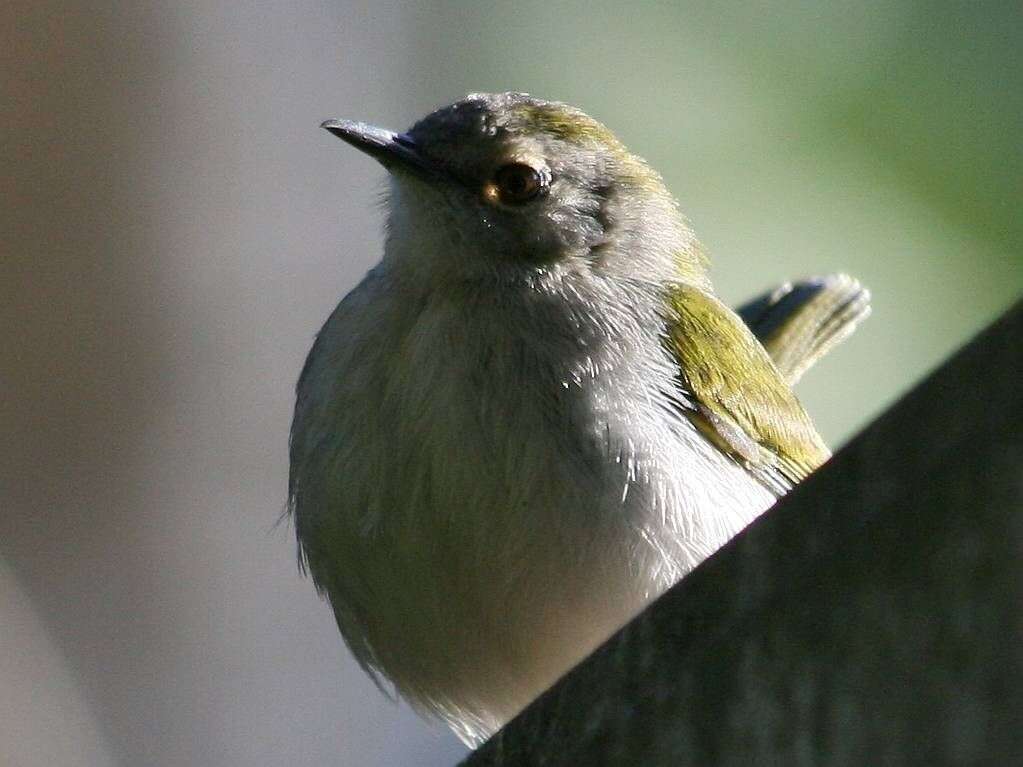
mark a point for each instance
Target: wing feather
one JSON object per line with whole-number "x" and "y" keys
{"x": 742, "y": 401}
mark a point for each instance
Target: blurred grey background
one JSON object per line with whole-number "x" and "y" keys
{"x": 175, "y": 228}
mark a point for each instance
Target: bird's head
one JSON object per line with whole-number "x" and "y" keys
{"x": 506, "y": 184}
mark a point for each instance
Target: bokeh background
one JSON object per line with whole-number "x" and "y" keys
{"x": 175, "y": 228}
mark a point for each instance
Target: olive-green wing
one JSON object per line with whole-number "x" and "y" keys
{"x": 740, "y": 400}
{"x": 798, "y": 323}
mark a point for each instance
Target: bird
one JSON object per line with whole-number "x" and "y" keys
{"x": 534, "y": 415}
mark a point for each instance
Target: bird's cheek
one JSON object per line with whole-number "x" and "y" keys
{"x": 575, "y": 232}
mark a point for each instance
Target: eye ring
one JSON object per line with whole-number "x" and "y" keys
{"x": 517, "y": 183}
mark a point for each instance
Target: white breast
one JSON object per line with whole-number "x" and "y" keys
{"x": 495, "y": 480}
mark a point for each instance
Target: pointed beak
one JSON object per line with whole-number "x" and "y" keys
{"x": 395, "y": 151}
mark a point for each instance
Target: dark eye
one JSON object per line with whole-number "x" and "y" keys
{"x": 518, "y": 183}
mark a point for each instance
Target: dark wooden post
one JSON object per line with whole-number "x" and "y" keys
{"x": 873, "y": 617}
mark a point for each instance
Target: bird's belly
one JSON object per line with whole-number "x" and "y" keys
{"x": 522, "y": 533}
{"x": 483, "y": 518}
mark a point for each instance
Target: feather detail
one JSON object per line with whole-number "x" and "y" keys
{"x": 743, "y": 403}
{"x": 799, "y": 323}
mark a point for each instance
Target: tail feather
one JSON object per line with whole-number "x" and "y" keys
{"x": 798, "y": 323}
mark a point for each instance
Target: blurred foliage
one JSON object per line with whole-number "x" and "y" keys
{"x": 877, "y": 138}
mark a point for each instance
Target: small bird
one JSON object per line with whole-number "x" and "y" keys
{"x": 533, "y": 416}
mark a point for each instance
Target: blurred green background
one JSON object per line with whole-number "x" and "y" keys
{"x": 877, "y": 138}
